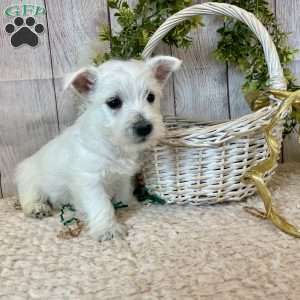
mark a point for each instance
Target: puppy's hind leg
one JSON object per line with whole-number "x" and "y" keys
{"x": 34, "y": 203}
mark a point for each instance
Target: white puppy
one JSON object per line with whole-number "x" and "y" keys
{"x": 92, "y": 161}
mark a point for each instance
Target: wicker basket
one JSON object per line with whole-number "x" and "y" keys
{"x": 205, "y": 164}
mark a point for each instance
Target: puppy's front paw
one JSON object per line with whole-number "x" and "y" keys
{"x": 117, "y": 230}
{"x": 39, "y": 210}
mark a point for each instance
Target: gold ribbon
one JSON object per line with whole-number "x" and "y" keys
{"x": 256, "y": 173}
{"x": 259, "y": 99}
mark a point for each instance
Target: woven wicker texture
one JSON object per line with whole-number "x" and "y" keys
{"x": 201, "y": 164}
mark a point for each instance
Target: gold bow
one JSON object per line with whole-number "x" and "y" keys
{"x": 256, "y": 173}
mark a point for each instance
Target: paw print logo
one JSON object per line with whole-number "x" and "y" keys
{"x": 24, "y": 32}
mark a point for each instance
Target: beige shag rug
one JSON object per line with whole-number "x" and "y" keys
{"x": 171, "y": 252}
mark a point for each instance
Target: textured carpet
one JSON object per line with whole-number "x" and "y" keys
{"x": 171, "y": 252}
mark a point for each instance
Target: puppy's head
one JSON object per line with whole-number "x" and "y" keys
{"x": 122, "y": 99}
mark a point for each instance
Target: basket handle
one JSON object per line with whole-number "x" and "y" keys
{"x": 277, "y": 79}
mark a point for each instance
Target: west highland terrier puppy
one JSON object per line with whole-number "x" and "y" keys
{"x": 93, "y": 160}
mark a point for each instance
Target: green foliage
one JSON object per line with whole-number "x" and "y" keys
{"x": 240, "y": 47}
{"x": 139, "y": 23}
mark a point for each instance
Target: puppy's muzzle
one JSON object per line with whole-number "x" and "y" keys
{"x": 142, "y": 129}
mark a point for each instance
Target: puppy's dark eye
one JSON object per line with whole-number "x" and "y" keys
{"x": 150, "y": 97}
{"x": 114, "y": 103}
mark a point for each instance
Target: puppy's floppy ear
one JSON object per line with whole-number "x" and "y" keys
{"x": 84, "y": 81}
{"x": 163, "y": 66}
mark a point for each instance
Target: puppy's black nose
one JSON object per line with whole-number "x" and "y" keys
{"x": 142, "y": 128}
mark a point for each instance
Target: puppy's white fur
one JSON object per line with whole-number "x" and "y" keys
{"x": 92, "y": 161}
